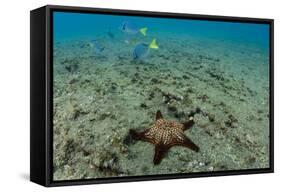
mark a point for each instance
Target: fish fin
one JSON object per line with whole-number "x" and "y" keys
{"x": 143, "y": 31}
{"x": 153, "y": 44}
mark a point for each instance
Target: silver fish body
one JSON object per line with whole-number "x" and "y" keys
{"x": 129, "y": 28}
{"x": 140, "y": 51}
{"x": 96, "y": 46}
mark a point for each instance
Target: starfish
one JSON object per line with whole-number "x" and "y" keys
{"x": 165, "y": 134}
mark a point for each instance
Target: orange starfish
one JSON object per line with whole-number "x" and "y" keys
{"x": 165, "y": 134}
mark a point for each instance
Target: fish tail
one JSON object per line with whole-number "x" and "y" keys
{"x": 143, "y": 31}
{"x": 153, "y": 44}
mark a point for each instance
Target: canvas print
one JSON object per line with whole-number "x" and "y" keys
{"x": 139, "y": 96}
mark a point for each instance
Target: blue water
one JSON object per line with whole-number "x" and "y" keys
{"x": 79, "y": 25}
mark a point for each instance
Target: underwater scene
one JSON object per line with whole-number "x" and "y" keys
{"x": 138, "y": 96}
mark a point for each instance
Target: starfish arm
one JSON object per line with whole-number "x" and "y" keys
{"x": 141, "y": 136}
{"x": 160, "y": 151}
{"x": 186, "y": 142}
{"x": 188, "y": 124}
{"x": 159, "y": 115}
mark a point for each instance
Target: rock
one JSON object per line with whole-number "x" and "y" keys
{"x": 109, "y": 163}
{"x": 143, "y": 105}
{"x": 210, "y": 168}
{"x": 197, "y": 110}
{"x": 113, "y": 86}
{"x": 151, "y": 95}
{"x": 228, "y": 123}
{"x": 190, "y": 90}
{"x": 172, "y": 108}
{"x": 115, "y": 141}
{"x": 76, "y": 113}
{"x": 105, "y": 115}
{"x": 71, "y": 68}
{"x": 215, "y": 74}
{"x": 191, "y": 113}
{"x": 250, "y": 117}
{"x": 69, "y": 148}
{"x": 167, "y": 97}
{"x": 73, "y": 80}
{"x": 185, "y": 77}
{"x": 71, "y": 65}
{"x": 203, "y": 98}
{"x": 104, "y": 160}
{"x": 124, "y": 149}
{"x": 180, "y": 114}
{"x": 232, "y": 118}
{"x": 134, "y": 80}
{"x": 211, "y": 117}
{"x": 201, "y": 164}
{"x": 137, "y": 75}
{"x": 251, "y": 160}
{"x": 74, "y": 110}
{"x": 231, "y": 121}
{"x": 155, "y": 81}
{"x": 144, "y": 169}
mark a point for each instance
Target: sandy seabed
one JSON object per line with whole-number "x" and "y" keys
{"x": 99, "y": 97}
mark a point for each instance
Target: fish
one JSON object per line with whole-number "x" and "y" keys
{"x": 141, "y": 50}
{"x": 130, "y": 41}
{"x": 96, "y": 46}
{"x": 131, "y": 29}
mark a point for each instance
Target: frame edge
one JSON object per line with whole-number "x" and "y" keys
{"x": 48, "y": 179}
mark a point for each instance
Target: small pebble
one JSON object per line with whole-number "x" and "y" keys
{"x": 211, "y": 117}
{"x": 143, "y": 105}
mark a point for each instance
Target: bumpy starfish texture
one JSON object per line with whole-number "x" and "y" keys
{"x": 165, "y": 134}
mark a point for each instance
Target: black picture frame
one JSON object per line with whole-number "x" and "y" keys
{"x": 41, "y": 103}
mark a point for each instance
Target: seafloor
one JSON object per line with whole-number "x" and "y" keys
{"x": 99, "y": 97}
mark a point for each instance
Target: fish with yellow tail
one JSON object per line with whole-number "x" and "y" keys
{"x": 141, "y": 50}
{"x": 131, "y": 29}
